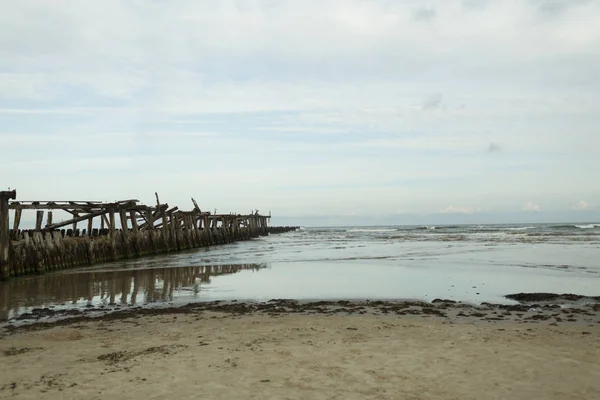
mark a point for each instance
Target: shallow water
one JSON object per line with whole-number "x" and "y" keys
{"x": 465, "y": 263}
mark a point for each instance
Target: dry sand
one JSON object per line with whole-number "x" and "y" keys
{"x": 300, "y": 355}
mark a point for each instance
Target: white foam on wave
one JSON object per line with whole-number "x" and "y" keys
{"x": 372, "y": 230}
{"x": 589, "y": 226}
{"x": 522, "y": 228}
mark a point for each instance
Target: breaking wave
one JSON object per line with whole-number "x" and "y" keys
{"x": 372, "y": 230}
{"x": 589, "y": 226}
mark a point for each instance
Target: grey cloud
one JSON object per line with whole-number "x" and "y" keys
{"x": 424, "y": 14}
{"x": 433, "y": 101}
{"x": 493, "y": 148}
{"x": 555, "y": 7}
{"x": 475, "y": 4}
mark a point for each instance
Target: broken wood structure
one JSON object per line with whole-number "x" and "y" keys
{"x": 111, "y": 231}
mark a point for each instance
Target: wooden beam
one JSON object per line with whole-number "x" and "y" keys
{"x": 72, "y": 205}
{"x": 196, "y": 205}
{"x": 74, "y": 220}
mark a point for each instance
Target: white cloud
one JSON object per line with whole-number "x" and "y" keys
{"x": 583, "y": 205}
{"x": 531, "y": 207}
{"x": 24, "y": 86}
{"x": 459, "y": 210}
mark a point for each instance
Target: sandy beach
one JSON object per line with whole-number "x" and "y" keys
{"x": 316, "y": 351}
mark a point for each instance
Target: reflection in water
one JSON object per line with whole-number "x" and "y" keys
{"x": 134, "y": 286}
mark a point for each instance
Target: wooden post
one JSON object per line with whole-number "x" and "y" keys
{"x": 165, "y": 230}
{"x": 196, "y": 222}
{"x": 38, "y": 220}
{"x": 134, "y": 226}
{"x": 49, "y": 219}
{"x": 4, "y": 232}
{"x": 125, "y": 250}
{"x": 173, "y": 232}
{"x": 89, "y": 226}
{"x": 124, "y": 227}
{"x": 113, "y": 240}
{"x": 17, "y": 220}
{"x": 150, "y": 218}
{"x": 111, "y": 221}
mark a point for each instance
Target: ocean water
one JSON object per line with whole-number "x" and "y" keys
{"x": 469, "y": 263}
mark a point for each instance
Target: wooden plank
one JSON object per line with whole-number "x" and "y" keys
{"x": 196, "y": 205}
{"x": 85, "y": 206}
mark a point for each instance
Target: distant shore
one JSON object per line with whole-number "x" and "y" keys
{"x": 328, "y": 349}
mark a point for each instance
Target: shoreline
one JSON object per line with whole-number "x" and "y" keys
{"x": 546, "y": 308}
{"x": 317, "y": 350}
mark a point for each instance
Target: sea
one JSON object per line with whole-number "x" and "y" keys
{"x": 466, "y": 263}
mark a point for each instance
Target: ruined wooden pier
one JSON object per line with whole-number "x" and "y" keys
{"x": 111, "y": 231}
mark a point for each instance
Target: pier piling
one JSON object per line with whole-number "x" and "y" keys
{"x": 5, "y": 196}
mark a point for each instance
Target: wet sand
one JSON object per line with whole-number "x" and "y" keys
{"x": 324, "y": 350}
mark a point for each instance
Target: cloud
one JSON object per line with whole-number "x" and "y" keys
{"x": 350, "y": 111}
{"x": 458, "y": 210}
{"x": 475, "y": 4}
{"x": 583, "y": 205}
{"x": 424, "y": 14}
{"x": 23, "y": 86}
{"x": 432, "y": 101}
{"x": 494, "y": 148}
{"x": 554, "y": 7}
{"x": 531, "y": 207}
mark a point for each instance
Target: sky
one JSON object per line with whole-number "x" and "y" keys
{"x": 319, "y": 111}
